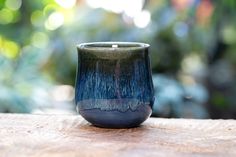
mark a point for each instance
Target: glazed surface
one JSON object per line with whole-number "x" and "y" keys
{"x": 114, "y": 85}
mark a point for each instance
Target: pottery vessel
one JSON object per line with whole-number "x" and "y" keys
{"x": 114, "y": 87}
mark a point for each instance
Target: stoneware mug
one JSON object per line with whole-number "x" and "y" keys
{"x": 114, "y": 87}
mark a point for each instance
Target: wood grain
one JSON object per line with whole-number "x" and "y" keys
{"x": 71, "y": 136}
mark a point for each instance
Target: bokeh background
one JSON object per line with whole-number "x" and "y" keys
{"x": 193, "y": 44}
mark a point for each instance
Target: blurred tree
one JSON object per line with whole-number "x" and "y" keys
{"x": 192, "y": 43}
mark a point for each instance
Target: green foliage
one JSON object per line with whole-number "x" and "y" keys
{"x": 38, "y": 44}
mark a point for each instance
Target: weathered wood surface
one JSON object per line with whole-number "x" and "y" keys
{"x": 71, "y": 136}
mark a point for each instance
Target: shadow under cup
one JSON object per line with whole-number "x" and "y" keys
{"x": 114, "y": 87}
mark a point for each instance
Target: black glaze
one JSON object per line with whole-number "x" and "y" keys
{"x": 114, "y": 86}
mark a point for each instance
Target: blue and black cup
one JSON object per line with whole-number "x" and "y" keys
{"x": 114, "y": 87}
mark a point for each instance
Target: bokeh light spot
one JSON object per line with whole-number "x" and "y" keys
{"x": 54, "y": 21}
{"x": 142, "y": 19}
{"x": 13, "y": 4}
{"x": 9, "y": 48}
{"x": 66, "y": 3}
{"x": 40, "y": 39}
{"x": 49, "y": 8}
{"x": 181, "y": 29}
{"x": 131, "y": 7}
{"x": 6, "y": 16}
{"x": 229, "y": 35}
{"x": 192, "y": 63}
{"x": 36, "y": 18}
{"x": 63, "y": 93}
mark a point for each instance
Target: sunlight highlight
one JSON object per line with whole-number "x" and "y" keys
{"x": 54, "y": 21}
{"x": 67, "y": 4}
{"x": 130, "y": 7}
{"x": 142, "y": 19}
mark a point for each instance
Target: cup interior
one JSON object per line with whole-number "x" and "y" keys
{"x": 113, "y": 45}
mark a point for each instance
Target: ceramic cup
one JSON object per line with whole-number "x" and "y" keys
{"x": 114, "y": 87}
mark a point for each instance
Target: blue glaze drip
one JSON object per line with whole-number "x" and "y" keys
{"x": 116, "y": 92}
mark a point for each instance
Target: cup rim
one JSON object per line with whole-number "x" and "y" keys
{"x": 112, "y": 45}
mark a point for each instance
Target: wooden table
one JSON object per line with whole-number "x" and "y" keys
{"x": 71, "y": 136}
